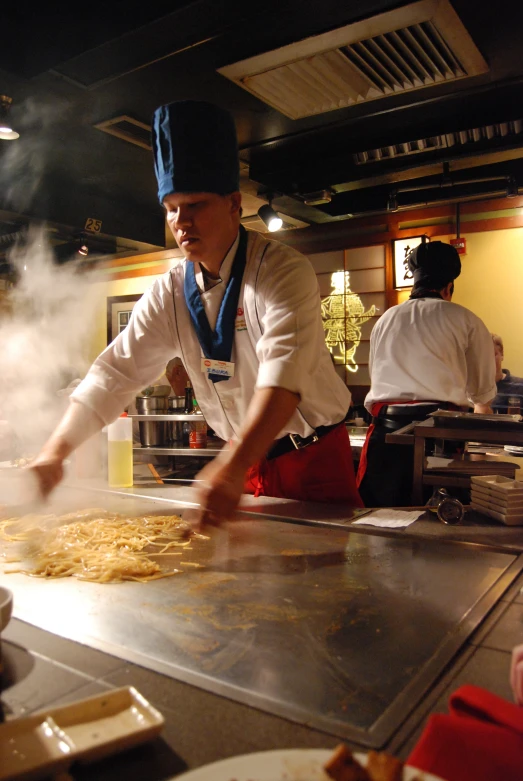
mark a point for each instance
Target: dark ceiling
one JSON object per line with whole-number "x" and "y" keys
{"x": 69, "y": 69}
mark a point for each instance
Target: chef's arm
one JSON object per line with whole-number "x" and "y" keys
{"x": 222, "y": 480}
{"x": 78, "y": 424}
{"x": 269, "y": 411}
{"x": 483, "y": 409}
{"x": 481, "y": 369}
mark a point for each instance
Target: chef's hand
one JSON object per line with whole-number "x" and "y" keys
{"x": 483, "y": 409}
{"x": 219, "y": 491}
{"x": 48, "y": 466}
{"x": 223, "y": 479}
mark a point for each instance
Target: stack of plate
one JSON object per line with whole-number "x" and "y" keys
{"x": 498, "y": 496}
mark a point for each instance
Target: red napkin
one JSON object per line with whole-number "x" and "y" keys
{"x": 480, "y": 740}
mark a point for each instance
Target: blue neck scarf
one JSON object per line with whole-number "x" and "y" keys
{"x": 217, "y": 344}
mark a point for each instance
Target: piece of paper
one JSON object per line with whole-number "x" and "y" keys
{"x": 433, "y": 462}
{"x": 390, "y": 519}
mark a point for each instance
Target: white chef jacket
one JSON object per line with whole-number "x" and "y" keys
{"x": 428, "y": 349}
{"x": 278, "y": 342}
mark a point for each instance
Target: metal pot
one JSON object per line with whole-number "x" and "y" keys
{"x": 152, "y": 433}
{"x": 175, "y": 429}
{"x": 151, "y": 405}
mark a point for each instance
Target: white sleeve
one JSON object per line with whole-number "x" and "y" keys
{"x": 135, "y": 359}
{"x": 292, "y": 327}
{"x": 481, "y": 365}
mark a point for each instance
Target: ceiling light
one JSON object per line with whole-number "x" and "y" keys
{"x": 270, "y": 218}
{"x": 83, "y": 249}
{"x": 7, "y": 133}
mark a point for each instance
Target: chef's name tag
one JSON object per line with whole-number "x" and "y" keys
{"x": 210, "y": 366}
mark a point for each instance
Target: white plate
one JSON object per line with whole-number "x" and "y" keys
{"x": 514, "y": 450}
{"x": 294, "y": 764}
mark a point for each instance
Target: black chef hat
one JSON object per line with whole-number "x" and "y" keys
{"x": 195, "y": 149}
{"x": 434, "y": 264}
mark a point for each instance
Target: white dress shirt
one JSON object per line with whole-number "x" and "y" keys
{"x": 429, "y": 349}
{"x": 278, "y": 342}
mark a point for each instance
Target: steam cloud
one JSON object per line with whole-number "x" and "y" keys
{"x": 44, "y": 330}
{"x": 24, "y": 161}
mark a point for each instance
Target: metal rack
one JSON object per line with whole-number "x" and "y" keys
{"x": 210, "y": 451}
{"x": 427, "y": 429}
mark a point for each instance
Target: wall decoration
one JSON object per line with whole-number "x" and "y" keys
{"x": 343, "y": 315}
{"x": 119, "y": 310}
{"x": 401, "y": 248}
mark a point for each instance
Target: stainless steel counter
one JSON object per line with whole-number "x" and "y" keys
{"x": 337, "y": 630}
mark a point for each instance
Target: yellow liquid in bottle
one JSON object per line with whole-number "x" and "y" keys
{"x": 120, "y": 463}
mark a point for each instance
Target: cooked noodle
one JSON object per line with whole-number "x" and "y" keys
{"x": 97, "y": 545}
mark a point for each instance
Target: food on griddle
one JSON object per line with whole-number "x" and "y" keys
{"x": 98, "y": 545}
{"x": 21, "y": 462}
{"x": 383, "y": 767}
{"x": 342, "y": 766}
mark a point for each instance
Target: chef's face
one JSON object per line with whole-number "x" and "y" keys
{"x": 203, "y": 224}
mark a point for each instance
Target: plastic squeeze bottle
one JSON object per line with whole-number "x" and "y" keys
{"x": 120, "y": 452}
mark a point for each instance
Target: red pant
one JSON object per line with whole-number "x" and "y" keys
{"x": 321, "y": 472}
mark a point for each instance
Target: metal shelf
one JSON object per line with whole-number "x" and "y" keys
{"x": 168, "y": 417}
{"x": 211, "y": 450}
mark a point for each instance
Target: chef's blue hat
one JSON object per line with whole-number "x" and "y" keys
{"x": 195, "y": 149}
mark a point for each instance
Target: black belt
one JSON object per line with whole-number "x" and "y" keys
{"x": 295, "y": 442}
{"x": 395, "y": 416}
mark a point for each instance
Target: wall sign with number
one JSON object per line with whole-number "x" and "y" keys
{"x": 93, "y": 226}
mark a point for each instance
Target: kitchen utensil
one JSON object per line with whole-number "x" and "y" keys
{"x": 152, "y": 405}
{"x": 175, "y": 428}
{"x": 155, "y": 474}
{"x": 87, "y": 730}
{"x": 152, "y": 433}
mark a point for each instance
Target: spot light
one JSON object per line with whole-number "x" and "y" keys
{"x": 270, "y": 218}
{"x": 83, "y": 249}
{"x": 7, "y": 133}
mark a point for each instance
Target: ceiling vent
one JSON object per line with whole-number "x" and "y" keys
{"x": 445, "y": 141}
{"x": 128, "y": 129}
{"x": 419, "y": 45}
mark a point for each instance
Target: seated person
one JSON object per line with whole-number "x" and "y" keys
{"x": 508, "y": 386}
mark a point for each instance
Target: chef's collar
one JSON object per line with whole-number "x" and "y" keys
{"x": 205, "y": 282}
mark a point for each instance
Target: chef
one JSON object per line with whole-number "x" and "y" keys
{"x": 243, "y": 315}
{"x": 425, "y": 354}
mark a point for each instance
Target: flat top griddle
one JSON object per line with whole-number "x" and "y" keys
{"x": 338, "y": 630}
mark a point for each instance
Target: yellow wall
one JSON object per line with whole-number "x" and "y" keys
{"x": 103, "y": 290}
{"x": 491, "y": 285}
